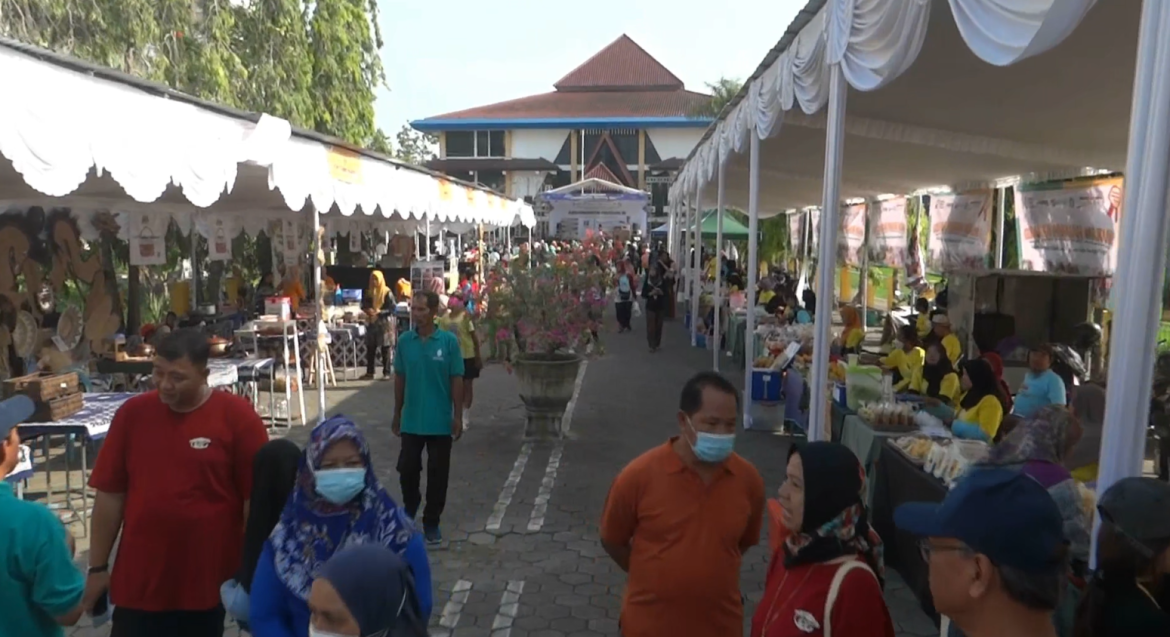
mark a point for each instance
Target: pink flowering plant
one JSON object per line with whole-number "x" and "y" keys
{"x": 549, "y": 309}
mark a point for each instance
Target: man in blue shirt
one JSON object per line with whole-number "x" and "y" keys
{"x": 1042, "y": 386}
{"x": 40, "y": 588}
{"x": 428, "y": 409}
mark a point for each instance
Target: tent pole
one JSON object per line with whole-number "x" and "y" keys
{"x": 1141, "y": 255}
{"x": 999, "y": 227}
{"x": 718, "y": 302}
{"x": 318, "y": 306}
{"x": 753, "y": 274}
{"x": 697, "y": 265}
{"x": 827, "y": 256}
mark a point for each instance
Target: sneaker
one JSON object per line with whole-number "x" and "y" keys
{"x": 433, "y": 535}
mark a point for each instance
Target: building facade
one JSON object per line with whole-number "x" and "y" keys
{"x": 621, "y": 116}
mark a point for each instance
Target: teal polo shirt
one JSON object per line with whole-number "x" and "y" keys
{"x": 38, "y": 580}
{"x": 428, "y": 364}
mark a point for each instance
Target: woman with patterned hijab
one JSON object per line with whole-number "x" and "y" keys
{"x": 337, "y": 503}
{"x": 826, "y": 578}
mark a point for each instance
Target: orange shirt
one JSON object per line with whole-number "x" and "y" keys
{"x": 687, "y": 539}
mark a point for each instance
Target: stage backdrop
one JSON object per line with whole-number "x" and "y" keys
{"x": 576, "y": 216}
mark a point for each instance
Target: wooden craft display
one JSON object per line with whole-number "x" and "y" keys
{"x": 57, "y": 396}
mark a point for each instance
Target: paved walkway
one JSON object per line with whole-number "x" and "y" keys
{"x": 522, "y": 556}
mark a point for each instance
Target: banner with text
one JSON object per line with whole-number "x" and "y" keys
{"x": 852, "y": 238}
{"x": 887, "y": 233}
{"x": 796, "y": 233}
{"x": 960, "y": 231}
{"x": 1070, "y": 228}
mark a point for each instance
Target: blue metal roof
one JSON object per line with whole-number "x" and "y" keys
{"x": 436, "y": 125}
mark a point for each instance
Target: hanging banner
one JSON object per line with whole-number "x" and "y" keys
{"x": 355, "y": 239}
{"x": 814, "y": 216}
{"x": 221, "y": 230}
{"x": 960, "y": 231}
{"x": 344, "y": 165}
{"x": 887, "y": 233}
{"x": 795, "y": 233}
{"x": 148, "y": 239}
{"x": 852, "y": 237}
{"x": 289, "y": 241}
{"x": 1069, "y": 227}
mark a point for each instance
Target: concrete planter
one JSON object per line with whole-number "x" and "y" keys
{"x": 546, "y": 387}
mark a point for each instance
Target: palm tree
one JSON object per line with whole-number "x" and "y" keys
{"x": 722, "y": 92}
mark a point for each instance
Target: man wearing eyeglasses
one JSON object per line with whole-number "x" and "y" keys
{"x": 997, "y": 554}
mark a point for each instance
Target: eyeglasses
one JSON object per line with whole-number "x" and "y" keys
{"x": 926, "y": 549}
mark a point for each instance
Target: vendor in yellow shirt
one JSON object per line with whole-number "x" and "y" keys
{"x": 853, "y": 334}
{"x": 941, "y": 324}
{"x": 936, "y": 380}
{"x": 981, "y": 407}
{"x": 906, "y": 360}
{"x": 922, "y": 307}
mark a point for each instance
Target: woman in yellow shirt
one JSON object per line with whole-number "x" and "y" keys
{"x": 853, "y": 334}
{"x": 904, "y": 362}
{"x": 981, "y": 408}
{"x": 458, "y": 321}
{"x": 936, "y": 380}
{"x": 922, "y": 307}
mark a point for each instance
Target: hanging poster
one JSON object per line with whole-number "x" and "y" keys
{"x": 1069, "y": 227}
{"x": 960, "y": 231}
{"x": 795, "y": 233}
{"x": 148, "y": 238}
{"x": 814, "y": 236}
{"x": 221, "y": 229}
{"x": 355, "y": 239}
{"x": 887, "y": 233}
{"x": 289, "y": 242}
{"x": 852, "y": 237}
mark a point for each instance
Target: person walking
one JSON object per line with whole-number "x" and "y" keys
{"x": 40, "y": 588}
{"x": 626, "y": 294}
{"x": 458, "y": 321}
{"x": 679, "y": 517}
{"x": 378, "y": 304}
{"x": 173, "y": 478}
{"x": 337, "y": 503}
{"x": 428, "y": 410}
{"x": 655, "y": 295}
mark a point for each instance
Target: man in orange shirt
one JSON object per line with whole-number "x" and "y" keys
{"x": 679, "y": 518}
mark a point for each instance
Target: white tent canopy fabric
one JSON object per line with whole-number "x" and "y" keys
{"x": 127, "y": 145}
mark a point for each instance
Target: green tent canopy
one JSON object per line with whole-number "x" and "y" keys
{"x": 732, "y": 228}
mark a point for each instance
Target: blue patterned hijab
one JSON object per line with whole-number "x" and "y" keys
{"x": 312, "y": 529}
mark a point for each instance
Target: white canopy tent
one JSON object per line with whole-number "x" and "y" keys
{"x": 962, "y": 93}
{"x": 94, "y": 140}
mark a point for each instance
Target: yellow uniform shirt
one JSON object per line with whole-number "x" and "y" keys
{"x": 987, "y": 413}
{"x": 852, "y": 338}
{"x": 906, "y": 363}
{"x": 948, "y": 389}
{"x": 463, "y": 328}
{"x": 954, "y": 349}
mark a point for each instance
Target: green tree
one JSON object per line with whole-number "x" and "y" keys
{"x": 723, "y": 91}
{"x": 274, "y": 39}
{"x": 774, "y": 243}
{"x": 415, "y": 147}
{"x": 344, "y": 40}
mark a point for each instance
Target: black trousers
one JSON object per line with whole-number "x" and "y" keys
{"x": 373, "y": 346}
{"x": 654, "y": 327}
{"x": 624, "y": 310}
{"x": 410, "y": 465}
{"x": 128, "y": 622}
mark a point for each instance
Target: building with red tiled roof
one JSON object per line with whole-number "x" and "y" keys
{"x": 621, "y": 112}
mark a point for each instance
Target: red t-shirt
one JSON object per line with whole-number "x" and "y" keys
{"x": 794, "y": 603}
{"x": 186, "y": 477}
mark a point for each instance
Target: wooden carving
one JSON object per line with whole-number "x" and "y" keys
{"x": 101, "y": 320}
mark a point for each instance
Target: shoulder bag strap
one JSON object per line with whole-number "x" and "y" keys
{"x": 835, "y": 589}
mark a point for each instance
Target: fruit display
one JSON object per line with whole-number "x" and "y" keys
{"x": 837, "y": 371}
{"x": 915, "y": 447}
{"x": 888, "y": 415}
{"x": 772, "y": 342}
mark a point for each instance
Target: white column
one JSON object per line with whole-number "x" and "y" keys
{"x": 1141, "y": 254}
{"x": 684, "y": 243}
{"x": 1000, "y": 224}
{"x": 427, "y": 239}
{"x": 697, "y": 268}
{"x": 753, "y": 265}
{"x": 319, "y": 360}
{"x": 715, "y": 348}
{"x": 827, "y": 254}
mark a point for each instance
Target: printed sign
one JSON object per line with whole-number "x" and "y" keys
{"x": 1070, "y": 228}
{"x": 221, "y": 231}
{"x": 960, "y": 231}
{"x": 852, "y": 237}
{"x": 887, "y": 233}
{"x": 796, "y": 233}
{"x": 148, "y": 239}
{"x": 344, "y": 165}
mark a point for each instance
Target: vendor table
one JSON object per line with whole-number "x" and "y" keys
{"x": 866, "y": 443}
{"x": 837, "y": 414}
{"x": 22, "y": 471}
{"x": 900, "y": 480}
{"x": 90, "y": 424}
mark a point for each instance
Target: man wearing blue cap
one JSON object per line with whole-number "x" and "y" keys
{"x": 40, "y": 588}
{"x": 997, "y": 554}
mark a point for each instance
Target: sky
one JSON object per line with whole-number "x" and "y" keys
{"x": 455, "y": 54}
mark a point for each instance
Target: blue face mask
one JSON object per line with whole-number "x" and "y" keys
{"x": 710, "y": 447}
{"x": 340, "y": 485}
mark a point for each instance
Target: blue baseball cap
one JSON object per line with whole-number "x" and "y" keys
{"x": 14, "y": 411}
{"x": 1002, "y": 514}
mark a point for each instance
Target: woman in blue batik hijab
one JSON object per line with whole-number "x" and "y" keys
{"x": 336, "y": 503}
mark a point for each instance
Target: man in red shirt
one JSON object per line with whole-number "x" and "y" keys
{"x": 174, "y": 476}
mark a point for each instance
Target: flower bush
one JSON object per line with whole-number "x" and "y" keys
{"x": 548, "y": 309}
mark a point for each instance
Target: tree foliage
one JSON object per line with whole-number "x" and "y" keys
{"x": 723, "y": 91}
{"x": 415, "y": 147}
{"x": 314, "y": 64}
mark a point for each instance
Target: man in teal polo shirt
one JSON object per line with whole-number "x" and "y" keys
{"x": 40, "y": 588}
{"x": 428, "y": 409}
